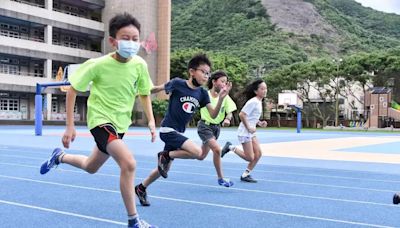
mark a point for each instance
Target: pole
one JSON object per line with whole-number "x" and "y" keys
{"x": 39, "y": 104}
{"x": 298, "y": 109}
{"x": 38, "y": 110}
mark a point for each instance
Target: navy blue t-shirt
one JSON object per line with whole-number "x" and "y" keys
{"x": 183, "y": 103}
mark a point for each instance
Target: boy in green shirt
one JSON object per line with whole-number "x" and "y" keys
{"x": 209, "y": 128}
{"x": 116, "y": 80}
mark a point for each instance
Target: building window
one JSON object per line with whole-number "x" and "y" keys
{"x": 54, "y": 106}
{"x": 9, "y": 104}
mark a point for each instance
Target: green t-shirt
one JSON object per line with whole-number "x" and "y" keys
{"x": 228, "y": 106}
{"x": 113, "y": 89}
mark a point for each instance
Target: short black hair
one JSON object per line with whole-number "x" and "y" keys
{"x": 215, "y": 76}
{"x": 198, "y": 60}
{"x": 122, "y": 20}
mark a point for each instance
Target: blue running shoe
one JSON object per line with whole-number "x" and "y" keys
{"x": 52, "y": 161}
{"x": 225, "y": 182}
{"x": 139, "y": 223}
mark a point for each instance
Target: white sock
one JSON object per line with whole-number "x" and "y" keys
{"x": 61, "y": 157}
{"x": 232, "y": 148}
{"x": 131, "y": 217}
{"x": 246, "y": 173}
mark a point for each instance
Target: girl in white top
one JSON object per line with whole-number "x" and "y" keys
{"x": 249, "y": 116}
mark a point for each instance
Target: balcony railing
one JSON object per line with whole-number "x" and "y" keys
{"x": 6, "y": 70}
{"x": 19, "y": 36}
{"x": 75, "y": 14}
{"x": 29, "y": 3}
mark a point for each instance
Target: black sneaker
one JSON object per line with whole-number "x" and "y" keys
{"x": 142, "y": 195}
{"x": 163, "y": 164}
{"x": 248, "y": 179}
{"x": 225, "y": 149}
{"x": 396, "y": 198}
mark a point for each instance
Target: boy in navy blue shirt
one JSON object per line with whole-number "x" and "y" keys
{"x": 186, "y": 96}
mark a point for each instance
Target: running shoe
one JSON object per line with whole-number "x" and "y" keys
{"x": 52, "y": 161}
{"x": 142, "y": 195}
{"x": 225, "y": 149}
{"x": 139, "y": 223}
{"x": 163, "y": 164}
{"x": 396, "y": 198}
{"x": 225, "y": 182}
{"x": 248, "y": 179}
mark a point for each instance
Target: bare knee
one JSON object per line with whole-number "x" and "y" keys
{"x": 217, "y": 151}
{"x": 199, "y": 155}
{"x": 128, "y": 166}
{"x": 257, "y": 156}
{"x": 202, "y": 156}
{"x": 91, "y": 170}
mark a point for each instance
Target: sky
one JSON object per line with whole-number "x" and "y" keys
{"x": 389, "y": 6}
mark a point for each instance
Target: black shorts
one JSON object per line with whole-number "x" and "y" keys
{"x": 104, "y": 134}
{"x": 173, "y": 140}
{"x": 208, "y": 131}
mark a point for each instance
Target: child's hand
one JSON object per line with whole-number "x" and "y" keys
{"x": 226, "y": 123}
{"x": 251, "y": 130}
{"x": 262, "y": 123}
{"x": 152, "y": 128}
{"x": 225, "y": 90}
{"x": 69, "y": 136}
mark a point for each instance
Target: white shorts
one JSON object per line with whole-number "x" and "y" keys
{"x": 244, "y": 139}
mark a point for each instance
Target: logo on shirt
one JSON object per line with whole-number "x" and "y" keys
{"x": 189, "y": 104}
{"x": 188, "y": 107}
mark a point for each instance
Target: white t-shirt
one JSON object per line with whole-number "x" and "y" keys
{"x": 253, "y": 110}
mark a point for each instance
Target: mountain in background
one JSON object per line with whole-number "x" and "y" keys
{"x": 270, "y": 33}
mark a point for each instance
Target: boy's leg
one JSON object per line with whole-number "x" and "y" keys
{"x": 216, "y": 149}
{"x": 140, "y": 189}
{"x": 189, "y": 150}
{"x": 124, "y": 158}
{"x": 90, "y": 164}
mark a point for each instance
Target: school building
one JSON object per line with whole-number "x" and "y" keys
{"x": 37, "y": 37}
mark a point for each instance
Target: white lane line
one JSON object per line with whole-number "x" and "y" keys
{"x": 219, "y": 187}
{"x": 210, "y": 175}
{"x": 62, "y": 212}
{"x": 234, "y": 169}
{"x": 211, "y": 204}
{"x": 273, "y": 212}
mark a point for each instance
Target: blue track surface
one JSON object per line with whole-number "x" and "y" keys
{"x": 290, "y": 192}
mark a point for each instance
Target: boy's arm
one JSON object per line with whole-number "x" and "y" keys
{"x": 146, "y": 104}
{"x": 214, "y": 111}
{"x": 222, "y": 94}
{"x": 158, "y": 88}
{"x": 70, "y": 133}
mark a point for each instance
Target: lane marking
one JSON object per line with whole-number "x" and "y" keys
{"x": 218, "y": 187}
{"x": 62, "y": 212}
{"x": 235, "y": 169}
{"x": 200, "y": 203}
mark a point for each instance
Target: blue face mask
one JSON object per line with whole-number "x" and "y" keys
{"x": 128, "y": 48}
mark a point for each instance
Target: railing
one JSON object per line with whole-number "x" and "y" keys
{"x": 29, "y": 3}
{"x": 19, "y": 73}
{"x": 19, "y": 36}
{"x": 74, "y": 14}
